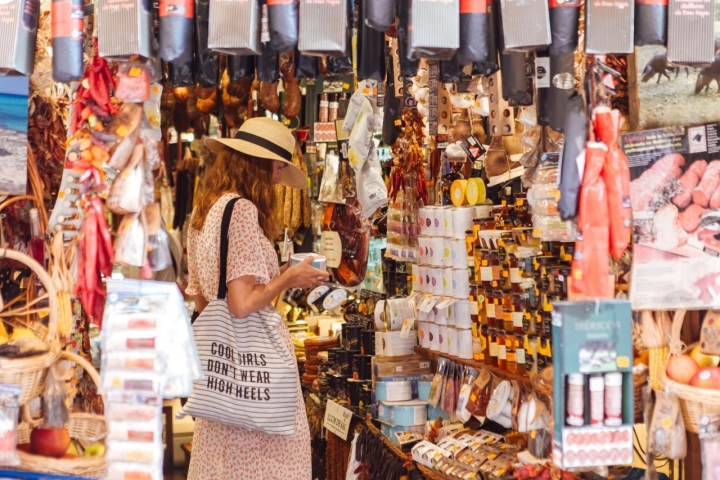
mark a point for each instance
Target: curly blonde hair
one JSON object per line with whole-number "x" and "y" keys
{"x": 250, "y": 177}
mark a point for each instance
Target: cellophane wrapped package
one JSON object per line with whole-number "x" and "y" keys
{"x": 435, "y": 29}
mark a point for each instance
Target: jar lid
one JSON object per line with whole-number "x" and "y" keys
{"x": 613, "y": 379}
{"x": 576, "y": 379}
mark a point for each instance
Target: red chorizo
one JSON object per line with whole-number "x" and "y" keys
{"x": 690, "y": 218}
{"x": 689, "y": 181}
{"x": 707, "y": 186}
{"x": 269, "y": 96}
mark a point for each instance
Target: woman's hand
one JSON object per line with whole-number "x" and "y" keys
{"x": 304, "y": 275}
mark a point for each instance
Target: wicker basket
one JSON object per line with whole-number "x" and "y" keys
{"x": 83, "y": 426}
{"x": 640, "y": 380}
{"x": 694, "y": 402}
{"x": 30, "y": 372}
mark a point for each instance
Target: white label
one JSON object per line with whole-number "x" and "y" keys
{"x": 331, "y": 248}
{"x": 286, "y": 250}
{"x": 520, "y": 355}
{"x": 517, "y": 319}
{"x": 407, "y": 327}
{"x": 502, "y": 353}
{"x": 515, "y": 275}
{"x": 424, "y": 364}
{"x": 494, "y": 349}
{"x": 486, "y": 274}
{"x": 490, "y": 309}
{"x": 474, "y": 310}
{"x": 337, "y": 419}
{"x": 542, "y": 72}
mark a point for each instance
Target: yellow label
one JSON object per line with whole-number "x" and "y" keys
{"x": 623, "y": 362}
{"x": 667, "y": 422}
{"x": 532, "y": 434}
{"x": 121, "y": 131}
{"x": 537, "y": 232}
{"x": 398, "y": 122}
{"x": 135, "y": 72}
{"x": 346, "y": 86}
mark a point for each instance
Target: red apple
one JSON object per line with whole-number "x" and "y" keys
{"x": 708, "y": 377}
{"x": 24, "y": 447}
{"x": 50, "y": 442}
{"x": 681, "y": 368}
{"x": 70, "y": 456}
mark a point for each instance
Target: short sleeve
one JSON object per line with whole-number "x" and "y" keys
{"x": 245, "y": 249}
{"x": 193, "y": 286}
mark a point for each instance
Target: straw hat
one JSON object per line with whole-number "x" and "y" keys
{"x": 266, "y": 138}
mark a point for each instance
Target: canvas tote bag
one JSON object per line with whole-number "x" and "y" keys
{"x": 250, "y": 378}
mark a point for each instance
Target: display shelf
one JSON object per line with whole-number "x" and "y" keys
{"x": 19, "y": 474}
{"x": 499, "y": 372}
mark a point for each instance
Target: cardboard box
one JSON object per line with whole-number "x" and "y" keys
{"x": 410, "y": 365}
{"x": 392, "y": 344}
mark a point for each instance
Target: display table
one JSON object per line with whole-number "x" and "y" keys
{"x": 16, "y": 475}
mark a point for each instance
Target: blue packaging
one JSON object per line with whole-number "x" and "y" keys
{"x": 424, "y": 389}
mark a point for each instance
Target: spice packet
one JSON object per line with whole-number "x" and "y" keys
{"x": 136, "y": 381}
{"x": 9, "y": 409}
{"x": 133, "y": 430}
{"x": 438, "y": 383}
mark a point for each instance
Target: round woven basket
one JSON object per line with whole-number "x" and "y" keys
{"x": 83, "y": 426}
{"x": 695, "y": 403}
{"x": 29, "y": 372}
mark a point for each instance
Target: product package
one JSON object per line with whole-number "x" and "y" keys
{"x": 690, "y": 38}
{"x": 379, "y": 14}
{"x": 575, "y": 138}
{"x": 124, "y": 32}
{"x": 604, "y": 17}
{"x": 434, "y": 31}
{"x": 667, "y": 429}
{"x": 207, "y": 62}
{"x": 491, "y": 64}
{"x": 564, "y": 19}
{"x": 651, "y": 18}
{"x": 525, "y": 26}
{"x": 323, "y": 28}
{"x": 371, "y": 50}
{"x": 68, "y": 35}
{"x": 474, "y": 34}
{"x": 283, "y": 24}
{"x": 176, "y": 29}
{"x": 181, "y": 74}
{"x": 514, "y": 79}
{"x": 438, "y": 383}
{"x": 305, "y": 67}
{"x": 351, "y": 233}
{"x": 408, "y": 67}
{"x": 234, "y": 27}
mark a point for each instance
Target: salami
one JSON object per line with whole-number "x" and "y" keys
{"x": 707, "y": 186}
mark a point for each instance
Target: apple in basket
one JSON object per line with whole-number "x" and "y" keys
{"x": 708, "y": 377}
{"x": 49, "y": 442}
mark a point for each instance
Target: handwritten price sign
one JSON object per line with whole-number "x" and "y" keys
{"x": 337, "y": 419}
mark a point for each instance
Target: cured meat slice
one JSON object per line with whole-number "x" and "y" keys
{"x": 707, "y": 186}
{"x": 644, "y": 188}
{"x": 690, "y": 218}
{"x": 670, "y": 233}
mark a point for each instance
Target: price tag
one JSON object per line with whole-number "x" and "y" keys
{"x": 331, "y": 248}
{"x": 407, "y": 327}
{"x": 428, "y": 303}
{"x": 337, "y": 419}
{"x": 445, "y": 303}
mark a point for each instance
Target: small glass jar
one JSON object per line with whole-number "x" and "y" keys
{"x": 490, "y": 310}
{"x": 486, "y": 273}
{"x": 516, "y": 279}
{"x": 473, "y": 297}
{"x": 501, "y": 349}
{"x": 485, "y": 335}
{"x": 493, "y": 347}
{"x": 520, "y": 353}
{"x": 507, "y": 319}
{"x": 477, "y": 226}
{"x": 511, "y": 359}
{"x": 494, "y": 259}
{"x": 518, "y": 314}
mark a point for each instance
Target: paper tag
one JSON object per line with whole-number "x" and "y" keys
{"x": 407, "y": 327}
{"x": 331, "y": 248}
{"x": 445, "y": 303}
{"x": 337, "y": 419}
{"x": 428, "y": 303}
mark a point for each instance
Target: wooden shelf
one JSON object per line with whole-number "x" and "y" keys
{"x": 498, "y": 372}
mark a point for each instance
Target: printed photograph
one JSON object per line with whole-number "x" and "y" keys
{"x": 13, "y": 135}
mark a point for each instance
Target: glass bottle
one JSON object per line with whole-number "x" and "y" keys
{"x": 515, "y": 277}
{"x": 510, "y": 353}
{"x": 485, "y": 334}
{"x": 530, "y": 353}
{"x": 324, "y": 108}
{"x": 473, "y": 297}
{"x": 493, "y": 347}
{"x": 37, "y": 244}
{"x": 486, "y": 273}
{"x": 470, "y": 239}
{"x": 518, "y": 313}
{"x": 520, "y": 353}
{"x": 490, "y": 312}
{"x": 501, "y": 349}
{"x": 478, "y": 260}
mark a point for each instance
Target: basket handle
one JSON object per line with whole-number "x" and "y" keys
{"x": 47, "y": 282}
{"x": 676, "y": 345}
{"x": 40, "y": 206}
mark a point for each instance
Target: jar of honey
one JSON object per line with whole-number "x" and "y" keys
{"x": 485, "y": 335}
{"x": 516, "y": 279}
{"x": 531, "y": 353}
{"x": 490, "y": 310}
{"x": 473, "y": 297}
{"x": 520, "y": 353}
{"x": 470, "y": 239}
{"x": 501, "y": 349}
{"x": 518, "y": 313}
{"x": 493, "y": 347}
{"x": 511, "y": 359}
{"x": 486, "y": 273}
{"x": 477, "y": 260}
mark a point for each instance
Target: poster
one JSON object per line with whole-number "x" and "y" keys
{"x": 13, "y": 134}
{"x": 675, "y": 196}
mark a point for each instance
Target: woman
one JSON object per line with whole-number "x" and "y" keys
{"x": 248, "y": 167}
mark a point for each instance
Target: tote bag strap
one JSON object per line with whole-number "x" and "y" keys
{"x": 224, "y": 245}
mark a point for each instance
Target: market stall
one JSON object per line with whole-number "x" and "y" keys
{"x": 518, "y": 205}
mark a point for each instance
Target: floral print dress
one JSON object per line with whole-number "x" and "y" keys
{"x": 220, "y": 451}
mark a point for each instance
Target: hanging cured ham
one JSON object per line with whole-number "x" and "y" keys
{"x": 354, "y": 232}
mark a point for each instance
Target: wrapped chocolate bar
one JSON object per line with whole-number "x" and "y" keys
{"x": 176, "y": 29}
{"x": 234, "y": 27}
{"x": 283, "y": 24}
{"x": 526, "y": 25}
{"x": 564, "y": 26}
{"x": 124, "y": 29}
{"x": 323, "y": 28}
{"x": 434, "y": 29}
{"x": 67, "y": 30}
{"x": 207, "y": 62}
{"x": 609, "y": 27}
{"x": 690, "y": 32}
{"x": 651, "y": 17}
{"x": 379, "y": 14}
{"x": 474, "y": 38}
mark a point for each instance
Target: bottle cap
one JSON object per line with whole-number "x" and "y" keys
{"x": 33, "y": 213}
